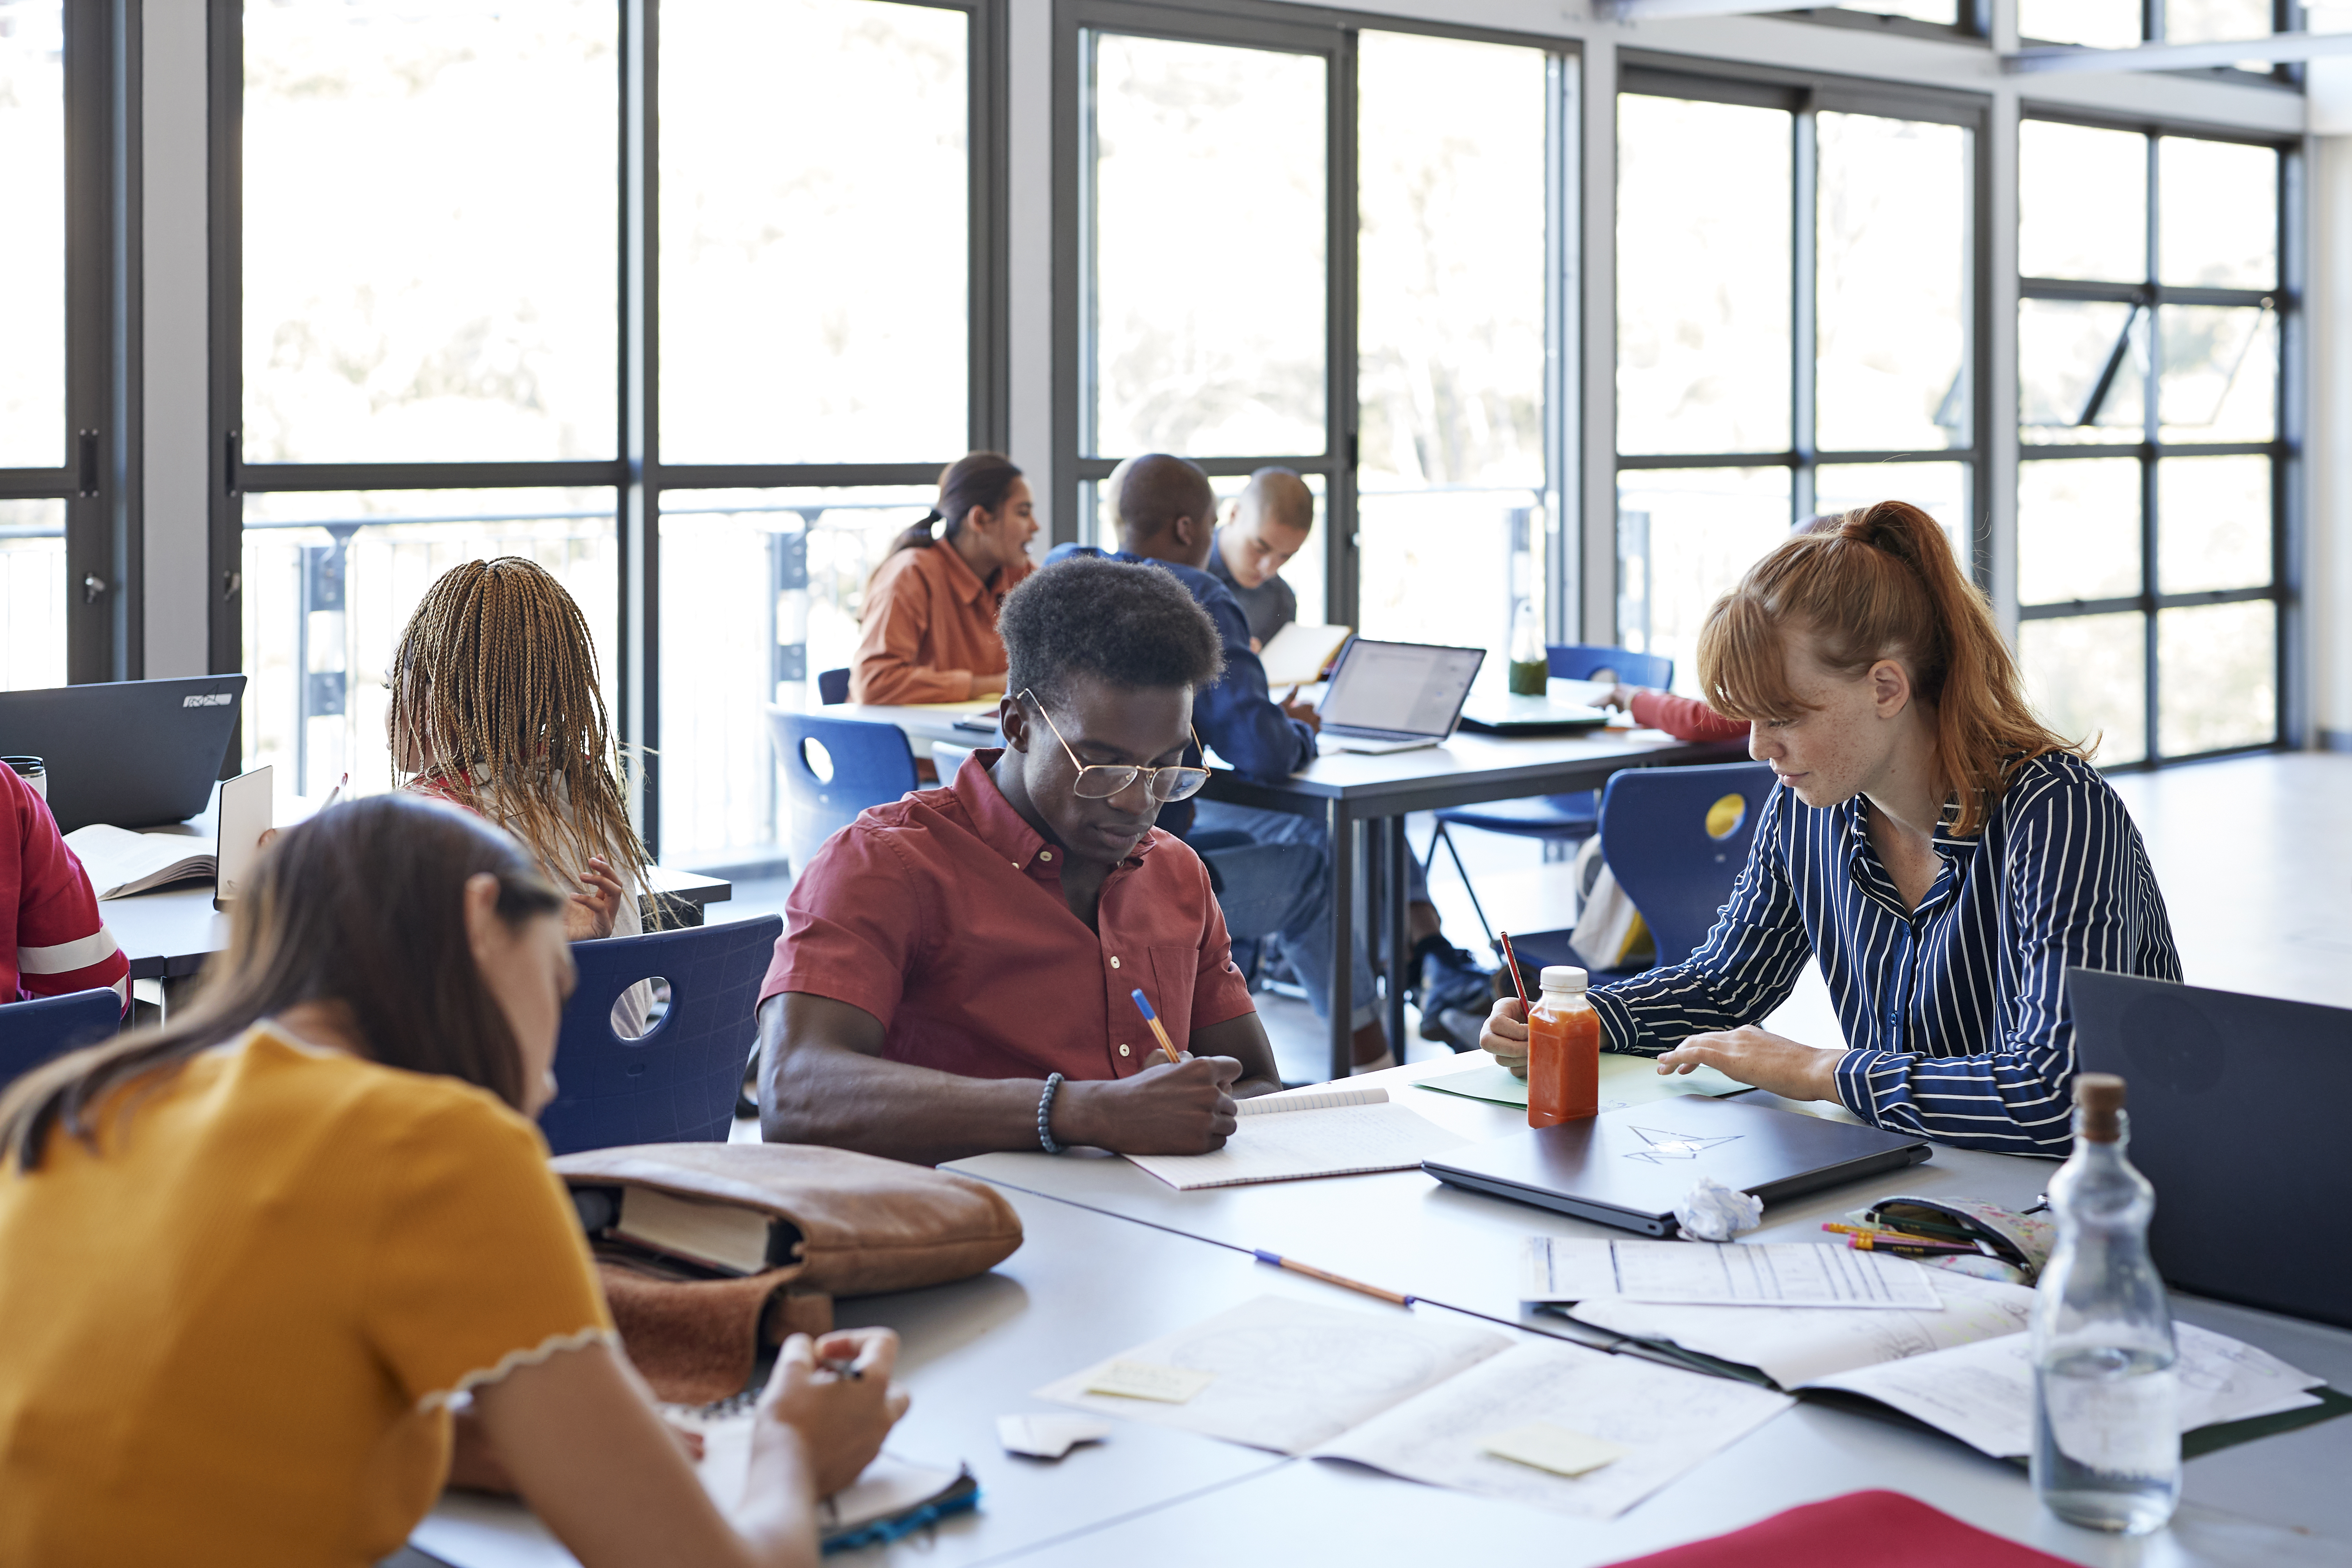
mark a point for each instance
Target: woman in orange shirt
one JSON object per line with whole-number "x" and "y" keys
{"x": 250, "y": 1262}
{"x": 930, "y": 606}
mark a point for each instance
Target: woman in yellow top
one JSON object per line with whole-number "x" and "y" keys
{"x": 930, "y": 606}
{"x": 247, "y": 1263}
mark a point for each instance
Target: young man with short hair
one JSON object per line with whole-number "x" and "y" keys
{"x": 1264, "y": 526}
{"x": 956, "y": 968}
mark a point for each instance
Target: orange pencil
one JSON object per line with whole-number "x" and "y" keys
{"x": 1158, "y": 1032}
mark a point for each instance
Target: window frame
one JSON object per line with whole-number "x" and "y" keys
{"x": 2283, "y": 590}
{"x": 1804, "y": 94}
{"x": 1333, "y": 34}
{"x": 637, "y": 475}
{"x": 100, "y": 445}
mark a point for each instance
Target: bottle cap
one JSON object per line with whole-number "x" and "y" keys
{"x": 1561, "y": 978}
{"x": 2099, "y": 1103}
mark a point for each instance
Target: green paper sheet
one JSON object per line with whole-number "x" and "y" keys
{"x": 1624, "y": 1081}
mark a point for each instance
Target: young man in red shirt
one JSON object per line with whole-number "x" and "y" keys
{"x": 956, "y": 969}
{"x": 52, "y": 940}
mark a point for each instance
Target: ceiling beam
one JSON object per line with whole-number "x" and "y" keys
{"x": 2276, "y": 49}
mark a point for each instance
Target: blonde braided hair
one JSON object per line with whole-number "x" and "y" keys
{"x": 495, "y": 699}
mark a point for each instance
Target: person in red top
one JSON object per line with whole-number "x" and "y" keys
{"x": 52, "y": 940}
{"x": 1686, "y": 718}
{"x": 956, "y": 969}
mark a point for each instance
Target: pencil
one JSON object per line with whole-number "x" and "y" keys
{"x": 1511, "y": 963}
{"x": 1158, "y": 1032}
{"x": 1885, "y": 1234}
{"x": 1396, "y": 1296}
{"x": 1926, "y": 1248}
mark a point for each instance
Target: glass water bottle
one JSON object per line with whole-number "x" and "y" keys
{"x": 2106, "y": 1401}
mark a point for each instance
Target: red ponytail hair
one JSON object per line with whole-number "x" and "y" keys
{"x": 1881, "y": 582}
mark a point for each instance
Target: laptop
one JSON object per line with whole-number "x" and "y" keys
{"x": 1630, "y": 1167}
{"x": 2237, "y": 1108}
{"x": 1568, "y": 706}
{"x": 136, "y": 753}
{"x": 1396, "y": 696}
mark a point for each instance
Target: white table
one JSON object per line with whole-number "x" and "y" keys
{"x": 1114, "y": 1257}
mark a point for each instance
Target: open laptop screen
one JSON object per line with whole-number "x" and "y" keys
{"x": 1400, "y": 688}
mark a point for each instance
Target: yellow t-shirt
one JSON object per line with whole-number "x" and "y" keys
{"x": 232, "y": 1335}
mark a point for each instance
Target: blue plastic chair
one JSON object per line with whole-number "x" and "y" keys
{"x": 1555, "y": 819}
{"x": 677, "y": 1082}
{"x": 833, "y": 687}
{"x": 833, "y": 769}
{"x": 948, "y": 761}
{"x": 1654, "y": 834}
{"x": 32, "y": 1032}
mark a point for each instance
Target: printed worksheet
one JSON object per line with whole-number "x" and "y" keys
{"x": 1667, "y": 1422}
{"x": 1692, "y": 1273}
{"x": 1281, "y": 1373}
{"x": 1982, "y": 1394}
{"x": 1792, "y": 1345}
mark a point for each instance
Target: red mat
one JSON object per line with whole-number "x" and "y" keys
{"x": 1859, "y": 1530}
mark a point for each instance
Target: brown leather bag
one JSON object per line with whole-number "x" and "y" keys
{"x": 865, "y": 1225}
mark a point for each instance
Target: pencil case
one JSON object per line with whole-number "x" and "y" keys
{"x": 2020, "y": 1243}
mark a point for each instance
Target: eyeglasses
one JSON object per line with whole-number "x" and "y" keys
{"x": 1100, "y": 781}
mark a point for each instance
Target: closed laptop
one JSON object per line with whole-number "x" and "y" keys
{"x": 1631, "y": 1166}
{"x": 2237, "y": 1108}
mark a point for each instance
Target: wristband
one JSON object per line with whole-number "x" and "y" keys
{"x": 1045, "y": 1115}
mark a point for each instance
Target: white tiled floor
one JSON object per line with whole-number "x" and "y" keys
{"x": 2254, "y": 854}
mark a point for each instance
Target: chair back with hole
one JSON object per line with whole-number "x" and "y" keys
{"x": 677, "y": 1083}
{"x": 833, "y": 769}
{"x": 1676, "y": 839}
{"x": 833, "y": 687}
{"x": 1588, "y": 661}
{"x": 35, "y": 1032}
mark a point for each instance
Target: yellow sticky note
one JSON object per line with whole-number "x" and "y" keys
{"x": 1554, "y": 1448}
{"x": 1149, "y": 1379}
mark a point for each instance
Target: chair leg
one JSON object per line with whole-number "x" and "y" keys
{"x": 1442, "y": 836}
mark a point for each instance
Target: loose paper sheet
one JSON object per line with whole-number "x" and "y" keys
{"x": 1624, "y": 1081}
{"x": 1982, "y": 1394}
{"x": 1292, "y": 1141}
{"x": 1290, "y": 1375}
{"x": 1792, "y": 1345}
{"x": 1048, "y": 1437}
{"x": 1667, "y": 1421}
{"x": 1754, "y": 1274}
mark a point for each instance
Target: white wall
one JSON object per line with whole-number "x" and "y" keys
{"x": 171, "y": 147}
{"x": 2327, "y": 578}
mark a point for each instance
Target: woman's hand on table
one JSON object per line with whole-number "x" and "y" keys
{"x": 1787, "y": 1068}
{"x": 1504, "y": 1036}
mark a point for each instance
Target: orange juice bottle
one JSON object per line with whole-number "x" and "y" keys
{"x": 1563, "y": 1051}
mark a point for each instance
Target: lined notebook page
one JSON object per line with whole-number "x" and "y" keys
{"x": 1301, "y": 1133}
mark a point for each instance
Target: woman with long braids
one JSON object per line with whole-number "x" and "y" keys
{"x": 930, "y": 606}
{"x": 495, "y": 708}
{"x": 1942, "y": 854}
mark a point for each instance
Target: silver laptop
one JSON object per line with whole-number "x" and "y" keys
{"x": 1395, "y": 696}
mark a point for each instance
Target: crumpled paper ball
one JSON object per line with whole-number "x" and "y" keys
{"x": 1712, "y": 1212}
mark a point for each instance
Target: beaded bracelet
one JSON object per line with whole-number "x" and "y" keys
{"x": 1045, "y": 1115}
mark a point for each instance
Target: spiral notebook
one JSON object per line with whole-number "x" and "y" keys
{"x": 1303, "y": 1134}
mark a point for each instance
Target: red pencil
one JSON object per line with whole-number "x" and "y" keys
{"x": 1511, "y": 963}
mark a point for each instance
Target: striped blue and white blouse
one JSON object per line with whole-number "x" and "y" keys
{"x": 1956, "y": 1012}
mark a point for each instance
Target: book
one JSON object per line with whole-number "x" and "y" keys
{"x": 1965, "y": 1368}
{"x": 1299, "y": 654}
{"x": 1431, "y": 1398}
{"x": 120, "y": 862}
{"x": 726, "y": 1238}
{"x": 1303, "y": 1134}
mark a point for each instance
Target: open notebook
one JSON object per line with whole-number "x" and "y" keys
{"x": 1963, "y": 1367}
{"x": 1303, "y": 1132}
{"x": 120, "y": 862}
{"x": 1430, "y": 1397}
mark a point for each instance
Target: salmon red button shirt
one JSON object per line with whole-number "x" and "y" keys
{"x": 942, "y": 915}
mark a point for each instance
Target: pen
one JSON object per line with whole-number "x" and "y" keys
{"x": 335, "y": 794}
{"x": 1152, "y": 1018}
{"x": 855, "y": 1371}
{"x": 1511, "y": 963}
{"x": 1279, "y": 1261}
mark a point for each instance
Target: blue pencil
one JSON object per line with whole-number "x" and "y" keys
{"x": 1158, "y": 1032}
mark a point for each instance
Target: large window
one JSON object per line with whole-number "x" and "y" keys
{"x": 1797, "y": 324}
{"x": 2152, "y": 463}
{"x": 63, "y": 555}
{"x": 1342, "y": 252}
{"x": 462, "y": 328}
